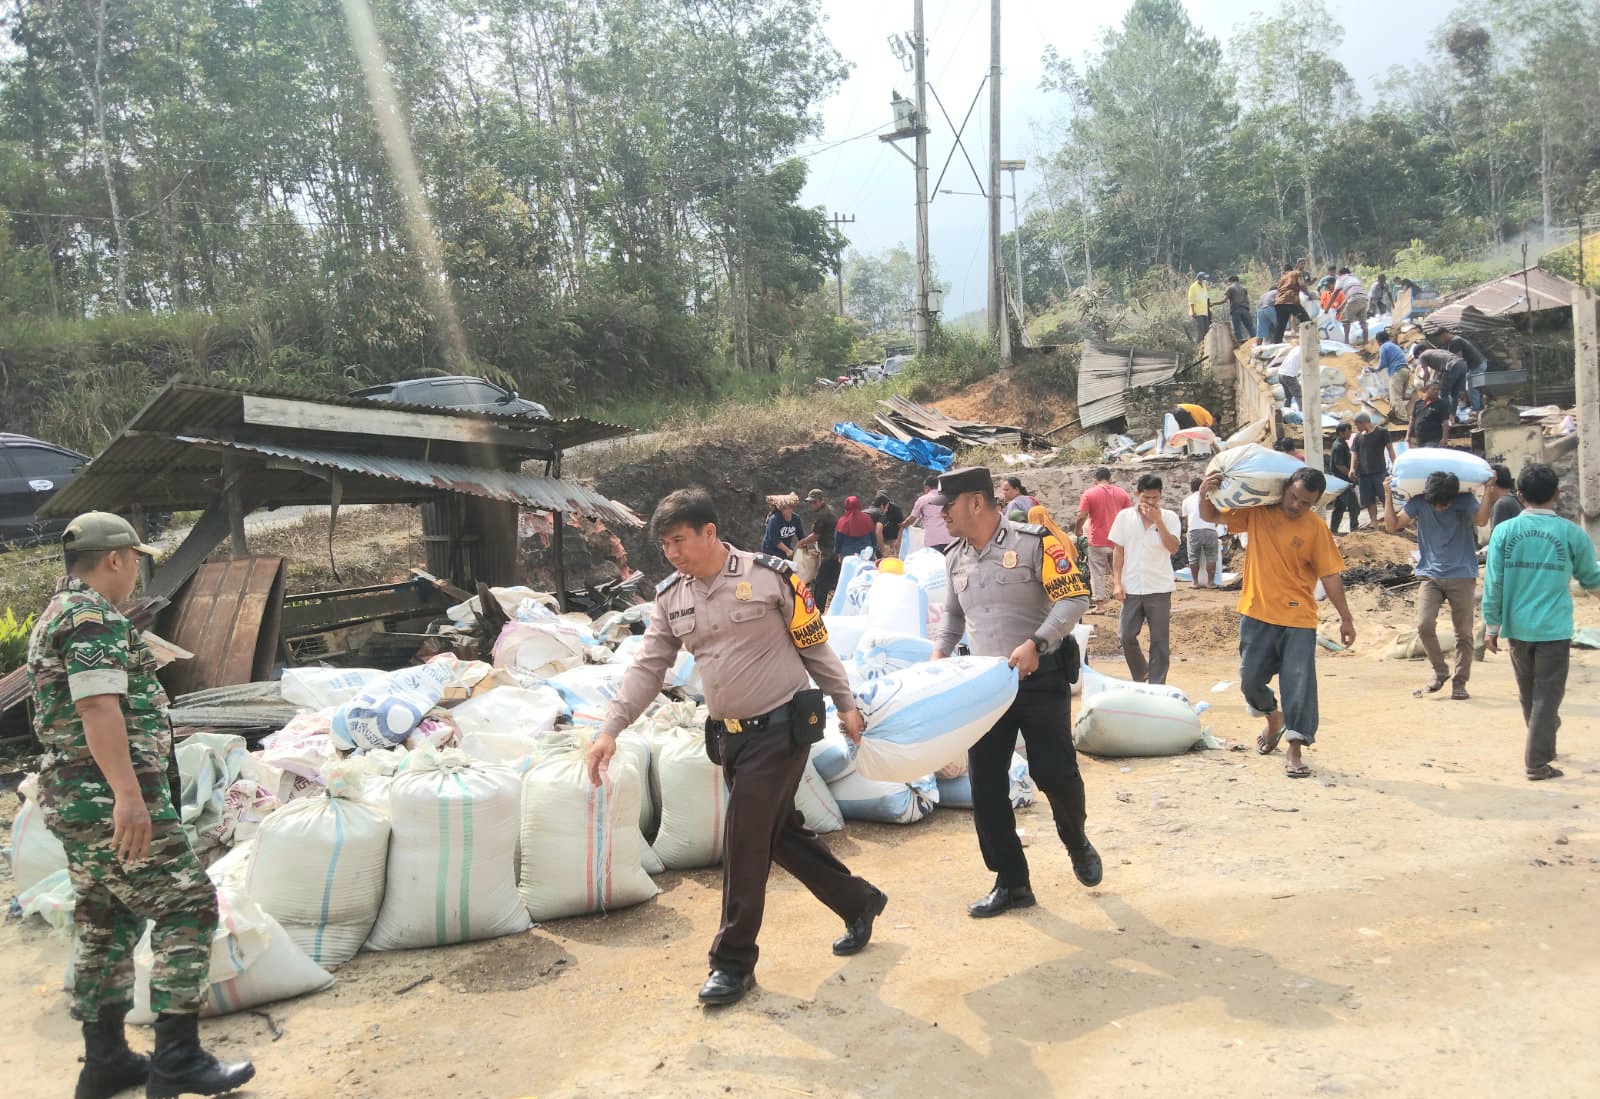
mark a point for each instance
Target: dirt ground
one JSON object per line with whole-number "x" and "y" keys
{"x": 1415, "y": 920}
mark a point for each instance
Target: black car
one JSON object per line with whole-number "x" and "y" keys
{"x": 475, "y": 394}
{"x": 31, "y": 470}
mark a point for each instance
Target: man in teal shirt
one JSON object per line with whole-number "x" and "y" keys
{"x": 1532, "y": 558}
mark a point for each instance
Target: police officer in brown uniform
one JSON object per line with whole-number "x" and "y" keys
{"x": 1017, "y": 592}
{"x": 758, "y": 641}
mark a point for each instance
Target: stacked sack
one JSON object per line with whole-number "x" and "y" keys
{"x": 1254, "y": 476}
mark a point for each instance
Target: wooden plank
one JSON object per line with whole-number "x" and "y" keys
{"x": 893, "y": 428}
{"x": 379, "y": 420}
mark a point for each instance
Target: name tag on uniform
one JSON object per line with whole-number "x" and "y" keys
{"x": 743, "y": 592}
{"x": 1009, "y": 561}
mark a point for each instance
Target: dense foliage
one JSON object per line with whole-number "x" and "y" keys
{"x": 1177, "y": 152}
{"x": 568, "y": 195}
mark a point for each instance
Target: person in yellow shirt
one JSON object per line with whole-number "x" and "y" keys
{"x": 1200, "y": 306}
{"x": 1290, "y": 549}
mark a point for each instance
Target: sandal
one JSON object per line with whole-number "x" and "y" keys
{"x": 1301, "y": 771}
{"x": 1435, "y": 685}
{"x": 1459, "y": 694}
{"x": 1267, "y": 743}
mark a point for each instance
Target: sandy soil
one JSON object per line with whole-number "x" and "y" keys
{"x": 1415, "y": 920}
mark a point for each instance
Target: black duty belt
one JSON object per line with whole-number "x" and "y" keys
{"x": 756, "y": 724}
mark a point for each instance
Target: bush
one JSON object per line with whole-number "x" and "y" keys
{"x": 958, "y": 357}
{"x": 14, "y": 640}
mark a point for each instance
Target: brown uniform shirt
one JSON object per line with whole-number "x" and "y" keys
{"x": 1022, "y": 583}
{"x": 756, "y": 635}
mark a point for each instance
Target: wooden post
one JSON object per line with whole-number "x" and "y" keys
{"x": 558, "y": 541}
{"x": 1586, "y": 377}
{"x": 146, "y": 566}
{"x": 1311, "y": 392}
{"x": 230, "y": 489}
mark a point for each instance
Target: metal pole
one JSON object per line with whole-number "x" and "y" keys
{"x": 919, "y": 321}
{"x": 1586, "y": 377}
{"x": 999, "y": 326}
{"x": 1311, "y": 392}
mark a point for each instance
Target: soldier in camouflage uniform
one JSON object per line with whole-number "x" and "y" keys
{"x": 106, "y": 790}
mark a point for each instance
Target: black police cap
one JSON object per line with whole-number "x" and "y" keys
{"x": 958, "y": 481}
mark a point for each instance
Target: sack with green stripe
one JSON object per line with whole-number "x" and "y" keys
{"x": 452, "y": 853}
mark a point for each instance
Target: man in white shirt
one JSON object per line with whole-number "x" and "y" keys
{"x": 1205, "y": 541}
{"x": 1144, "y": 538}
{"x": 1289, "y": 377}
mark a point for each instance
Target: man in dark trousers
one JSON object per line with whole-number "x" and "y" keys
{"x": 1342, "y": 464}
{"x": 823, "y": 520}
{"x": 1016, "y": 591}
{"x": 758, "y": 640}
{"x": 1428, "y": 417}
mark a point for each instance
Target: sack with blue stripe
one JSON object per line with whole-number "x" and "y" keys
{"x": 880, "y": 652}
{"x": 318, "y": 868}
{"x": 861, "y": 798}
{"x": 582, "y": 850}
{"x": 1413, "y": 465}
{"x": 1254, "y": 476}
{"x": 693, "y": 798}
{"x": 921, "y": 718}
{"x": 834, "y": 756}
{"x": 452, "y": 875}
{"x": 956, "y": 793}
{"x": 383, "y": 713}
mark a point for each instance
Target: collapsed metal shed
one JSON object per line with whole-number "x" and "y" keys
{"x": 227, "y": 450}
{"x": 1106, "y": 374}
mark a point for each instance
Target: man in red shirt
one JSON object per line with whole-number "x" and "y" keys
{"x": 1097, "y": 508}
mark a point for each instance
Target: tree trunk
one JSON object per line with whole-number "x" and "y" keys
{"x": 1311, "y": 225}
{"x": 1545, "y": 167}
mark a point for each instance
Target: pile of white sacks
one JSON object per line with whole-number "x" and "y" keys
{"x": 449, "y": 802}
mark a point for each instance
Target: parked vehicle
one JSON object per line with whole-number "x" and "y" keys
{"x": 475, "y": 394}
{"x": 31, "y": 470}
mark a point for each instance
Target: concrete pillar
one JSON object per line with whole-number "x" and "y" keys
{"x": 1586, "y": 376}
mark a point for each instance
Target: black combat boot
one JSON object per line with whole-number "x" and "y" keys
{"x": 179, "y": 1066}
{"x": 109, "y": 1066}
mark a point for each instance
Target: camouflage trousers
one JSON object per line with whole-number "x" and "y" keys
{"x": 114, "y": 899}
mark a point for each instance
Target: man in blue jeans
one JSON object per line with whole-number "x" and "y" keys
{"x": 1444, "y": 517}
{"x": 1290, "y": 549}
{"x": 1532, "y": 559}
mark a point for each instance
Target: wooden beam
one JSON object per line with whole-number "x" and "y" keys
{"x": 380, "y": 420}
{"x": 1311, "y": 392}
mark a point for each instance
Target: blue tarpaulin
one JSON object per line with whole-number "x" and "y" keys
{"x": 918, "y": 452}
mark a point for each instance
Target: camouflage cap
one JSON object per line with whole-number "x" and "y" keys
{"x": 100, "y": 530}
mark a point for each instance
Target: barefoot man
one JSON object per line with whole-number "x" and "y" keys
{"x": 1290, "y": 549}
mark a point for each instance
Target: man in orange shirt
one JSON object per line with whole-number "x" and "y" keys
{"x": 1290, "y": 549}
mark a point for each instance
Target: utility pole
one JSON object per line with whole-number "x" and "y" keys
{"x": 837, "y": 220}
{"x": 999, "y": 325}
{"x": 1586, "y": 375}
{"x": 1311, "y": 392}
{"x": 1015, "y": 166}
{"x": 919, "y": 322}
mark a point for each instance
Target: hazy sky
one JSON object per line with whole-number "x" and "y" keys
{"x": 868, "y": 179}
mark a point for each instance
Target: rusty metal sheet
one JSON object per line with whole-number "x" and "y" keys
{"x": 509, "y": 486}
{"x": 1106, "y": 374}
{"x": 228, "y": 615}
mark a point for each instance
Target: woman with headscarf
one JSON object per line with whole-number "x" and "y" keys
{"x": 1039, "y": 516}
{"x": 855, "y": 531}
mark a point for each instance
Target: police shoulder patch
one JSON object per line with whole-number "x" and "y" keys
{"x": 673, "y": 578}
{"x": 776, "y": 564}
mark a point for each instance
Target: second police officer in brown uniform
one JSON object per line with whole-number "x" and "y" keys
{"x": 758, "y": 641}
{"x": 1017, "y": 592}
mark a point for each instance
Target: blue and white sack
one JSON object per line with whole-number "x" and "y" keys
{"x": 880, "y": 652}
{"x": 383, "y": 713}
{"x": 1253, "y": 476}
{"x": 1411, "y": 469}
{"x": 921, "y": 718}
{"x": 928, "y": 568}
{"x": 850, "y": 568}
{"x": 834, "y": 756}
{"x": 588, "y": 689}
{"x": 861, "y": 798}
{"x": 956, "y": 793}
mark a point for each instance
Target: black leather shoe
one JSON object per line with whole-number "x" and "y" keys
{"x": 1086, "y": 863}
{"x": 1000, "y": 899}
{"x": 109, "y": 1066}
{"x": 181, "y": 1066}
{"x": 723, "y": 987}
{"x": 858, "y": 932}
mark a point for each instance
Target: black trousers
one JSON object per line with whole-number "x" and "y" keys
{"x": 1345, "y": 504}
{"x": 763, "y": 770}
{"x": 827, "y": 579}
{"x": 1286, "y": 313}
{"x": 1042, "y": 714}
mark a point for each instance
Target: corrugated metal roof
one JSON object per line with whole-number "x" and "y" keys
{"x": 1528, "y": 291}
{"x": 543, "y": 493}
{"x": 184, "y": 404}
{"x": 1105, "y": 375}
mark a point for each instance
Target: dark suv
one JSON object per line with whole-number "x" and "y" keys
{"x": 475, "y": 394}
{"x": 31, "y": 470}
